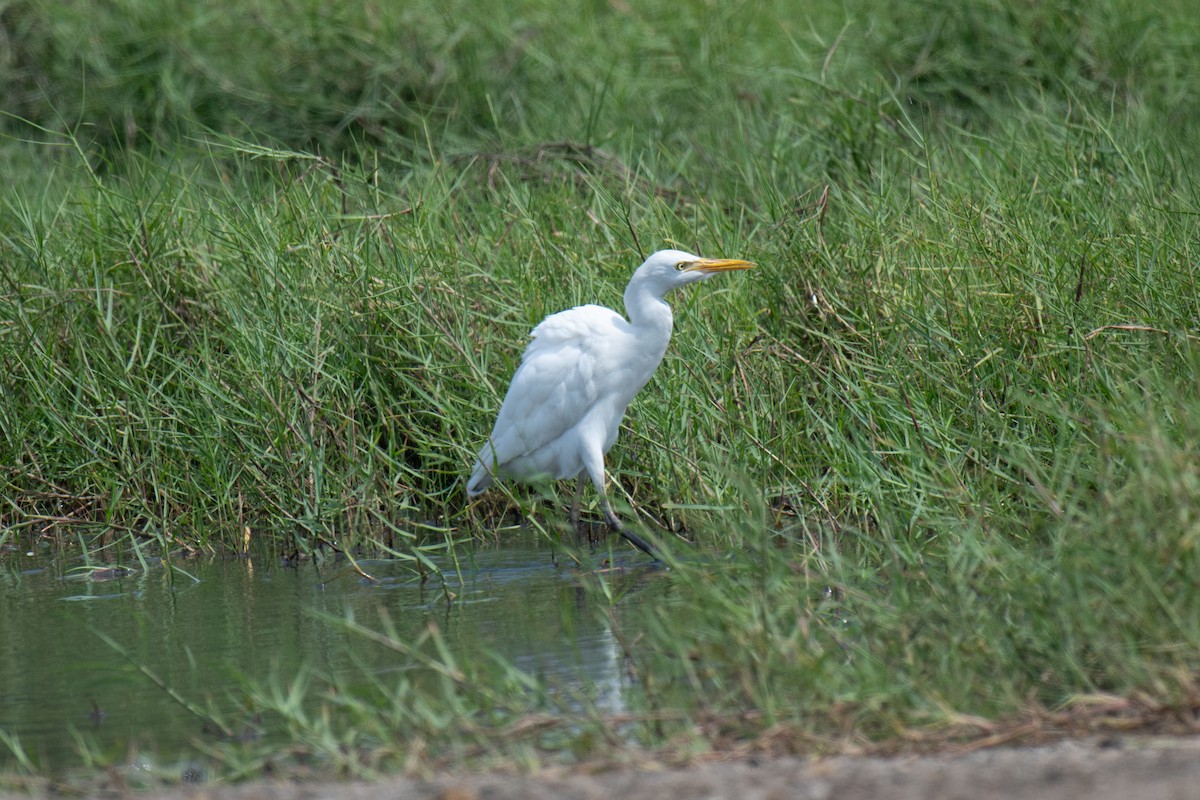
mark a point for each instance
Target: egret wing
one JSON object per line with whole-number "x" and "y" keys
{"x": 555, "y": 385}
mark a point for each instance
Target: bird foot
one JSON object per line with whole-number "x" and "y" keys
{"x": 637, "y": 541}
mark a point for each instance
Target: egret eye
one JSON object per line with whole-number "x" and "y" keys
{"x": 680, "y": 264}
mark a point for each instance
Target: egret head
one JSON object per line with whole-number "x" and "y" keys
{"x": 670, "y": 269}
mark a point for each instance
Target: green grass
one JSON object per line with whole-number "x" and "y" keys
{"x": 937, "y": 452}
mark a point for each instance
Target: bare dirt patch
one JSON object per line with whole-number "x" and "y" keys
{"x": 1148, "y": 768}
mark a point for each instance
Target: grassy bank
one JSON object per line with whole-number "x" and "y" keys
{"x": 271, "y": 274}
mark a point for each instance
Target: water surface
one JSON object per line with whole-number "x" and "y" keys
{"x": 229, "y": 622}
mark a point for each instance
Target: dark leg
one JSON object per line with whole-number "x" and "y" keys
{"x": 575, "y": 522}
{"x": 614, "y": 522}
{"x": 593, "y": 465}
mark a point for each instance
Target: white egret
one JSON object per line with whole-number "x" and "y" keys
{"x": 564, "y": 407}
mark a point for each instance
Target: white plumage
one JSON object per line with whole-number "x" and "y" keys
{"x": 564, "y": 407}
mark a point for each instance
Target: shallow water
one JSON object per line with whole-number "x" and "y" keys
{"x": 229, "y": 622}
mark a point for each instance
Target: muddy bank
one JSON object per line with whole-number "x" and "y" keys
{"x": 1145, "y": 768}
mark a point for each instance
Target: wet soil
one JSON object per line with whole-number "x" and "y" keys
{"x": 1160, "y": 768}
